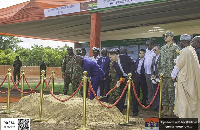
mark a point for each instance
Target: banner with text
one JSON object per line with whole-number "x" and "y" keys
{"x": 62, "y": 10}
{"x": 110, "y": 3}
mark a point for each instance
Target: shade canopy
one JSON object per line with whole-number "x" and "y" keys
{"x": 141, "y": 21}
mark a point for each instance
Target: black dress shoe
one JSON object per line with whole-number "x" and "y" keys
{"x": 135, "y": 113}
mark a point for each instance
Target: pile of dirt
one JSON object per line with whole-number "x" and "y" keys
{"x": 70, "y": 111}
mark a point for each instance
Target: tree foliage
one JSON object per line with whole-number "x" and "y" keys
{"x": 31, "y": 56}
{"x": 8, "y": 42}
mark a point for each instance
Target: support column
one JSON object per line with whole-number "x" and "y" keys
{"x": 95, "y": 31}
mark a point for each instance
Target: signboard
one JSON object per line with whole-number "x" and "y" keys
{"x": 89, "y": 5}
{"x": 62, "y": 10}
{"x": 143, "y": 47}
{"x": 109, "y": 48}
{"x": 110, "y": 3}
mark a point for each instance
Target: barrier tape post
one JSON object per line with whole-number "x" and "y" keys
{"x": 8, "y": 111}
{"x": 160, "y": 104}
{"x": 83, "y": 127}
{"x": 128, "y": 123}
{"x": 53, "y": 74}
{"x": 41, "y": 99}
{"x": 22, "y": 83}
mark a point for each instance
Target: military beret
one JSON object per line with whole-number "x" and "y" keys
{"x": 168, "y": 33}
{"x": 185, "y": 37}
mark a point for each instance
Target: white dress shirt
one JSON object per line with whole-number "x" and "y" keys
{"x": 140, "y": 65}
{"x": 157, "y": 56}
{"x": 148, "y": 60}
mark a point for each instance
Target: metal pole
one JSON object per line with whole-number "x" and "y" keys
{"x": 41, "y": 99}
{"x": 84, "y": 98}
{"x": 83, "y": 127}
{"x": 53, "y": 74}
{"x": 129, "y": 123}
{"x": 22, "y": 83}
{"x": 160, "y": 104}
{"x": 128, "y": 98}
{"x": 41, "y": 94}
{"x": 8, "y": 111}
{"x": 8, "y": 99}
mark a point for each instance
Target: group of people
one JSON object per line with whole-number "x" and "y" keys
{"x": 179, "y": 69}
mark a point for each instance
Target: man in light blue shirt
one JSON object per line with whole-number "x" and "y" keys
{"x": 139, "y": 77}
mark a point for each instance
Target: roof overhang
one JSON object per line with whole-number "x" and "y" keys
{"x": 179, "y": 16}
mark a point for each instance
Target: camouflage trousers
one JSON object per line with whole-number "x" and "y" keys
{"x": 67, "y": 80}
{"x": 75, "y": 84}
{"x": 114, "y": 95}
{"x": 168, "y": 92}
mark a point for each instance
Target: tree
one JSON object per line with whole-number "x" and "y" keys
{"x": 7, "y": 59}
{"x": 34, "y": 56}
{"x": 31, "y": 56}
{"x": 8, "y": 42}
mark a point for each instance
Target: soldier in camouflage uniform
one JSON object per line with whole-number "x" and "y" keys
{"x": 168, "y": 54}
{"x": 17, "y": 65}
{"x": 77, "y": 74}
{"x": 67, "y": 69}
{"x": 113, "y": 81}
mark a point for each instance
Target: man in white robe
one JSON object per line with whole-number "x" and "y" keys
{"x": 187, "y": 100}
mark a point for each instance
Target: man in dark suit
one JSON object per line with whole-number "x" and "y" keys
{"x": 155, "y": 77}
{"x": 139, "y": 78}
{"x": 104, "y": 63}
{"x": 123, "y": 65}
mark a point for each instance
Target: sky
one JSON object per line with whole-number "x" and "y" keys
{"x": 28, "y": 42}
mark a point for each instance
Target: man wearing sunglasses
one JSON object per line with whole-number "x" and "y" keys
{"x": 168, "y": 54}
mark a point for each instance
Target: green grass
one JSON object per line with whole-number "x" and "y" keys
{"x": 58, "y": 87}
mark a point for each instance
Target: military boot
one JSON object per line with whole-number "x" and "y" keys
{"x": 165, "y": 109}
{"x": 170, "y": 111}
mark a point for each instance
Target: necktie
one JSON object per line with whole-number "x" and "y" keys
{"x": 103, "y": 61}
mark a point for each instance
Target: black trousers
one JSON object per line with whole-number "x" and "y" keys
{"x": 16, "y": 73}
{"x": 104, "y": 88}
{"x": 142, "y": 83}
{"x": 157, "y": 99}
{"x": 120, "y": 104}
